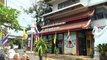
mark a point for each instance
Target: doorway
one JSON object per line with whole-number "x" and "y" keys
{"x": 82, "y": 43}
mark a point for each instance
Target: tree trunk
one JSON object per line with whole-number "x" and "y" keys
{"x": 40, "y": 57}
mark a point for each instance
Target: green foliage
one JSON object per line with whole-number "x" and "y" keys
{"x": 5, "y": 50}
{"x": 57, "y": 51}
{"x": 16, "y": 41}
{"x": 78, "y": 59}
{"x": 40, "y": 8}
{"x": 10, "y": 42}
{"x": 41, "y": 46}
{"x": 8, "y": 17}
{"x": 102, "y": 49}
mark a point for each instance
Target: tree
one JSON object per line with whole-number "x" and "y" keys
{"x": 15, "y": 41}
{"x": 8, "y": 17}
{"x": 40, "y": 8}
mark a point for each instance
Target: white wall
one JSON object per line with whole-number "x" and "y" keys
{"x": 84, "y": 2}
{"x": 92, "y": 2}
{"x": 101, "y": 22}
{"x": 55, "y": 4}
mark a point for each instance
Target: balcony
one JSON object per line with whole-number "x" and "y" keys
{"x": 66, "y": 11}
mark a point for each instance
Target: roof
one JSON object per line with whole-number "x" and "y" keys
{"x": 64, "y": 20}
{"x": 78, "y": 25}
{"x": 62, "y": 9}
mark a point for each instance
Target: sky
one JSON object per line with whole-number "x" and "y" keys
{"x": 24, "y": 19}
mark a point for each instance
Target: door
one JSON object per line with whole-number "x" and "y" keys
{"x": 82, "y": 43}
{"x": 59, "y": 43}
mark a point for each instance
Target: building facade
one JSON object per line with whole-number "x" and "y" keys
{"x": 74, "y": 18}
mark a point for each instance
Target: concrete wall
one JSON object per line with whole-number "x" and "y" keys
{"x": 92, "y": 2}
{"x": 86, "y": 3}
{"x": 100, "y": 22}
{"x": 55, "y": 4}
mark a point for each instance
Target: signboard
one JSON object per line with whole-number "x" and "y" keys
{"x": 72, "y": 48}
{"x": 55, "y": 24}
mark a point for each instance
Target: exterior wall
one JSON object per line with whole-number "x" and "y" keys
{"x": 100, "y": 22}
{"x": 86, "y": 3}
{"x": 92, "y": 2}
{"x": 76, "y": 50}
{"x": 55, "y": 4}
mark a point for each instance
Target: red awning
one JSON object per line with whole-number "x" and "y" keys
{"x": 78, "y": 25}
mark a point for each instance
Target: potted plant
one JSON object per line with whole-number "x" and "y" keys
{"x": 102, "y": 48}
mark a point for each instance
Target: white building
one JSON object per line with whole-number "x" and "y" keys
{"x": 77, "y": 17}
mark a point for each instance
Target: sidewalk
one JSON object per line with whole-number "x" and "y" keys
{"x": 32, "y": 56}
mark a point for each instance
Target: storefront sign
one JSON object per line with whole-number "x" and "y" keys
{"x": 55, "y": 24}
{"x": 53, "y": 28}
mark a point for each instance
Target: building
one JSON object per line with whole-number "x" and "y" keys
{"x": 77, "y": 17}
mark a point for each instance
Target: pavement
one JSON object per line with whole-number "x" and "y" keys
{"x": 32, "y": 56}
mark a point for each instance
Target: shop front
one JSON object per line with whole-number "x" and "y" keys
{"x": 73, "y": 32}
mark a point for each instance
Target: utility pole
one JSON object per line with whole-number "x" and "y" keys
{"x": 31, "y": 42}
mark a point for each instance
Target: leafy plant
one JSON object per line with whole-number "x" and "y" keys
{"x": 5, "y": 50}
{"x": 102, "y": 49}
{"x": 41, "y": 47}
{"x": 8, "y": 17}
{"x": 57, "y": 51}
{"x": 40, "y": 8}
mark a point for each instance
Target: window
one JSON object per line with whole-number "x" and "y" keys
{"x": 67, "y": 3}
{"x": 100, "y": 16}
{"x": 60, "y": 36}
{"x": 100, "y": 13}
{"x": 93, "y": 17}
{"x": 50, "y": 37}
{"x": 105, "y": 14}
